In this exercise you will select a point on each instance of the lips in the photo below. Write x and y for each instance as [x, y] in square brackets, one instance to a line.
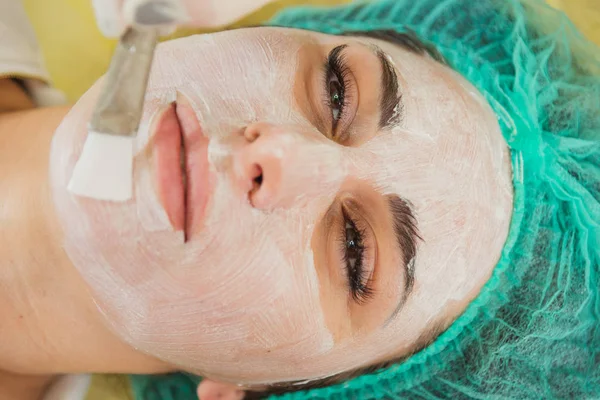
[181, 166]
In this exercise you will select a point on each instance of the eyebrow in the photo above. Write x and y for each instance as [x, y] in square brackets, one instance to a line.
[391, 105]
[407, 236]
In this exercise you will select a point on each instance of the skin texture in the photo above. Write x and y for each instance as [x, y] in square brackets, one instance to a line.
[256, 291]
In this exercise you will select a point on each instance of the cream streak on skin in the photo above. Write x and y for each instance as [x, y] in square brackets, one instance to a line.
[246, 300]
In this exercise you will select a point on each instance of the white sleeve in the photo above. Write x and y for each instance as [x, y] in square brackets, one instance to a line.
[20, 55]
[69, 387]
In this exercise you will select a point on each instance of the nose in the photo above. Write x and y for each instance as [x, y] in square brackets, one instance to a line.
[278, 166]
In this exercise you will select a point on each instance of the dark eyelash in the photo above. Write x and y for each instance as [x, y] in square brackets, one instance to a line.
[358, 281]
[337, 65]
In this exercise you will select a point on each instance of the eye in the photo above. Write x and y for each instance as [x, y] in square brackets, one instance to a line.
[336, 99]
[338, 91]
[354, 246]
[354, 257]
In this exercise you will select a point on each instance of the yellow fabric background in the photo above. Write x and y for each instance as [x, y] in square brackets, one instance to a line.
[76, 54]
[109, 387]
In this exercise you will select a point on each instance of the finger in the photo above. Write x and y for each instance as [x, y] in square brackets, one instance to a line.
[109, 17]
[154, 12]
[163, 15]
[211, 390]
[218, 13]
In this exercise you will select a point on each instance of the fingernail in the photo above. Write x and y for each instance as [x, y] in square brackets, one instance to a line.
[106, 17]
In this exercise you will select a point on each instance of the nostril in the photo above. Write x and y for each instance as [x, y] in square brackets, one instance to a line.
[257, 179]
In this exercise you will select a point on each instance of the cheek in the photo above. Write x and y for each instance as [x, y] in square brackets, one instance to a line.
[231, 78]
[244, 292]
[248, 295]
[450, 161]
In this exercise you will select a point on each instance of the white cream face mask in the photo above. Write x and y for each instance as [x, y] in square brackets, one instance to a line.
[244, 287]
[247, 297]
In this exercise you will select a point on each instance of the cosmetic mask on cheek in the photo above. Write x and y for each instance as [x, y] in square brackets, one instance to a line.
[240, 299]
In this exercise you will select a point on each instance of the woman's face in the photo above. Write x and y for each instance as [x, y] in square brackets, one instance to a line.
[337, 197]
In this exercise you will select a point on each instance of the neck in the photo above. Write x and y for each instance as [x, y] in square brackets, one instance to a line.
[50, 324]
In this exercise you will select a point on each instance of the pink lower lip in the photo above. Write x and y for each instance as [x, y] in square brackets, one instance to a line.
[185, 207]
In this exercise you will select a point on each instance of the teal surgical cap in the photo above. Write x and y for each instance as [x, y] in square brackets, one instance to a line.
[534, 330]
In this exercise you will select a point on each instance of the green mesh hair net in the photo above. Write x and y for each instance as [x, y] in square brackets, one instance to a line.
[534, 330]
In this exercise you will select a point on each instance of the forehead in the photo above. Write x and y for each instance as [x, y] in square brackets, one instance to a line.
[441, 116]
